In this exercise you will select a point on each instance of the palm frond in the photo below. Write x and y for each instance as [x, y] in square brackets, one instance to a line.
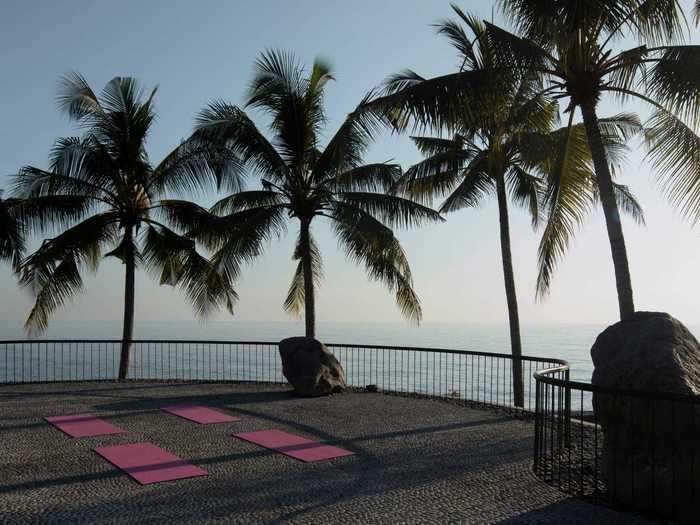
[295, 106]
[185, 216]
[476, 184]
[429, 146]
[524, 54]
[241, 237]
[223, 124]
[434, 103]
[392, 210]
[197, 165]
[568, 199]
[294, 302]
[76, 97]
[31, 182]
[370, 177]
[246, 200]
[673, 81]
[86, 160]
[526, 191]
[368, 242]
[459, 39]
[277, 74]
[623, 126]
[440, 172]
[12, 232]
[658, 21]
[49, 212]
[626, 202]
[63, 283]
[674, 151]
[345, 150]
[53, 271]
[176, 262]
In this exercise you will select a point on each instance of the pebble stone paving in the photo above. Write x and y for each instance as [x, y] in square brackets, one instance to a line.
[416, 460]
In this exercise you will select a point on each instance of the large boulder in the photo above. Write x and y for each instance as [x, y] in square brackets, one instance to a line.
[310, 367]
[651, 444]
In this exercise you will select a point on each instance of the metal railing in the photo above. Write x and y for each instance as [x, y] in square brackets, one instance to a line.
[477, 377]
[633, 449]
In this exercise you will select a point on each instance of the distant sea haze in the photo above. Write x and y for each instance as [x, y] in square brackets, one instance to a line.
[570, 342]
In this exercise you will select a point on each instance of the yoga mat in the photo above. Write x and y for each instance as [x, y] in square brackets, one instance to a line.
[199, 414]
[83, 425]
[295, 446]
[147, 463]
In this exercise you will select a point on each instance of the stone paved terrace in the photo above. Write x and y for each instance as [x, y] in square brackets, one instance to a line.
[416, 461]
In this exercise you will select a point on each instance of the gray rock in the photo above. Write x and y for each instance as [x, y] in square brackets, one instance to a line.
[651, 446]
[310, 367]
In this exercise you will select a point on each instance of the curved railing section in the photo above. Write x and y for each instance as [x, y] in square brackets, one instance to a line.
[635, 449]
[470, 376]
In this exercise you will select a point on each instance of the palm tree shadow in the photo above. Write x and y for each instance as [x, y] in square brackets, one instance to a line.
[214, 400]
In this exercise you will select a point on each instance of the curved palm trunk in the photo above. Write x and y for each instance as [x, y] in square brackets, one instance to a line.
[515, 345]
[612, 215]
[309, 302]
[129, 285]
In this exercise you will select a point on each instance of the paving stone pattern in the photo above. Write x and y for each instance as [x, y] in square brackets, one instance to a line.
[416, 460]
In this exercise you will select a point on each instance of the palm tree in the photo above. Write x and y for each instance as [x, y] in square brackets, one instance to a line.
[570, 44]
[503, 142]
[304, 181]
[110, 192]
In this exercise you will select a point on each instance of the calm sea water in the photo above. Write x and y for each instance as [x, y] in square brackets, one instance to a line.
[442, 373]
[570, 342]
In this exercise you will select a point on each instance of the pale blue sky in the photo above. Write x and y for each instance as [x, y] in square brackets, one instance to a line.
[199, 51]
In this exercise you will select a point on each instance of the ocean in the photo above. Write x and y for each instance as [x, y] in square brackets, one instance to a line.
[445, 374]
[570, 342]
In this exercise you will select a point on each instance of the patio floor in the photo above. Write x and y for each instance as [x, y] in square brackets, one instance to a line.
[416, 460]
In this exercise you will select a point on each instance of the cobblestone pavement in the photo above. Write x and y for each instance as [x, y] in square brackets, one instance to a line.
[416, 460]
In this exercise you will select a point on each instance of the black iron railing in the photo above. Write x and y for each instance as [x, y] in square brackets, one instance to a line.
[478, 377]
[629, 448]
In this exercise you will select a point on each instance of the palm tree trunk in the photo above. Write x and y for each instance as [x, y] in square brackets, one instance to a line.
[612, 215]
[512, 299]
[309, 302]
[129, 286]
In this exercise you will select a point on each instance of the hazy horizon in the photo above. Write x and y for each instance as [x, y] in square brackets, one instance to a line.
[204, 51]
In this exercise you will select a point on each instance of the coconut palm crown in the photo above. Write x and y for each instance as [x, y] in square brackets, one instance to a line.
[572, 45]
[106, 200]
[305, 181]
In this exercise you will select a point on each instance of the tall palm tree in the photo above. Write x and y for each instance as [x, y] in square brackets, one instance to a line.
[503, 143]
[570, 44]
[305, 181]
[113, 190]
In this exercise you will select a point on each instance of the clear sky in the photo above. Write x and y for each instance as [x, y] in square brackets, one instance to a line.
[199, 51]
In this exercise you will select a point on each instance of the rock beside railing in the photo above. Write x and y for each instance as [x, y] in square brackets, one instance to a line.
[310, 367]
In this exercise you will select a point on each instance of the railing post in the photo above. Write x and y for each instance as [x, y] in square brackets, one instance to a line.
[538, 430]
[567, 391]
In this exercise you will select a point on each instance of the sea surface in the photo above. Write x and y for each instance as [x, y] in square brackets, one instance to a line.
[570, 342]
[444, 374]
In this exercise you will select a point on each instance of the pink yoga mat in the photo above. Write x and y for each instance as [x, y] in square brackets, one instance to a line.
[295, 446]
[147, 463]
[199, 414]
[83, 425]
